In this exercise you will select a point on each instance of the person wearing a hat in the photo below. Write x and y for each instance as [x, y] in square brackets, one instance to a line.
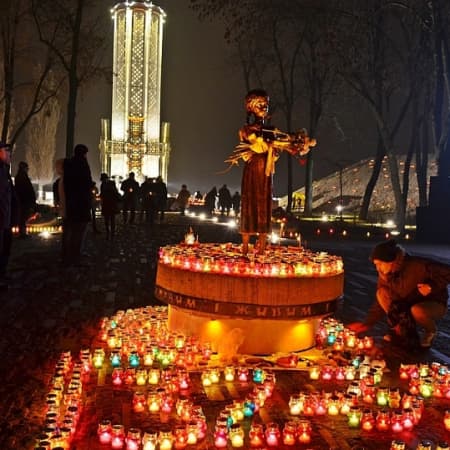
[411, 292]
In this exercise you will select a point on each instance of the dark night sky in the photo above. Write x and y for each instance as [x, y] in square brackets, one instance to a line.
[202, 98]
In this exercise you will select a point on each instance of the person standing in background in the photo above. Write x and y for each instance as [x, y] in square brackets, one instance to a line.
[7, 197]
[183, 199]
[109, 197]
[26, 197]
[130, 189]
[77, 183]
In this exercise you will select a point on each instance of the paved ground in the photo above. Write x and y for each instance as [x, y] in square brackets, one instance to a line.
[49, 309]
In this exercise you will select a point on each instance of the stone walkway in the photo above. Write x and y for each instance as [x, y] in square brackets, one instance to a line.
[49, 309]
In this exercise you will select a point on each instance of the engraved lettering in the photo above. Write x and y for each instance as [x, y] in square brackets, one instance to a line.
[242, 310]
[261, 311]
[190, 303]
[305, 311]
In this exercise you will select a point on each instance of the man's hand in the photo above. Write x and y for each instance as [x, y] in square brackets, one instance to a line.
[357, 327]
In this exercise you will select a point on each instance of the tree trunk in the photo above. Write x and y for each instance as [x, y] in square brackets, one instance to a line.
[364, 211]
[73, 80]
[308, 185]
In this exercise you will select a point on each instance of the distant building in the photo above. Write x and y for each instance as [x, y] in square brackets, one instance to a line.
[135, 139]
[347, 188]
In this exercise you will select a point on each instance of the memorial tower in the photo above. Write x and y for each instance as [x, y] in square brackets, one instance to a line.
[135, 139]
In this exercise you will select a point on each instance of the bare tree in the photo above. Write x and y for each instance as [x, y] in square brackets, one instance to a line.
[74, 31]
[282, 44]
[23, 91]
[41, 142]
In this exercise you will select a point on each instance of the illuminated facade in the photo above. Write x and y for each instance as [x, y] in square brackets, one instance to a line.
[135, 139]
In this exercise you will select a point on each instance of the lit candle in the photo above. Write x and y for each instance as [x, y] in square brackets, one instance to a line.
[397, 422]
[191, 429]
[295, 404]
[397, 445]
[256, 435]
[117, 436]
[165, 440]
[383, 421]
[426, 387]
[153, 402]
[134, 360]
[141, 377]
[289, 433]
[228, 373]
[333, 406]
[447, 420]
[220, 436]
[138, 402]
[272, 434]
[115, 359]
[249, 406]
[104, 432]
[133, 439]
[258, 375]
[242, 374]
[408, 419]
[236, 435]
[367, 420]
[153, 376]
[314, 372]
[354, 417]
[382, 396]
[117, 376]
[149, 440]
[98, 358]
[304, 431]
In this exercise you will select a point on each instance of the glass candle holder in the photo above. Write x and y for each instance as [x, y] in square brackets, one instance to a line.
[383, 421]
[153, 376]
[134, 360]
[153, 401]
[215, 375]
[139, 402]
[258, 375]
[242, 374]
[425, 445]
[141, 377]
[426, 387]
[289, 433]
[115, 358]
[382, 396]
[237, 411]
[314, 372]
[397, 422]
[236, 435]
[394, 399]
[296, 404]
[367, 420]
[272, 434]
[354, 417]
[408, 419]
[442, 446]
[256, 435]
[304, 431]
[229, 373]
[221, 436]
[117, 436]
[191, 429]
[397, 445]
[149, 440]
[249, 406]
[117, 376]
[165, 440]
[447, 419]
[333, 406]
[133, 440]
[206, 378]
[104, 432]
[98, 358]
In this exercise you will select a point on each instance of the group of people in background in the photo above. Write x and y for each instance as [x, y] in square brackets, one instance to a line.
[222, 200]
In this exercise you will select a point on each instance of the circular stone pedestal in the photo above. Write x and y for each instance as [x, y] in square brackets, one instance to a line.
[260, 306]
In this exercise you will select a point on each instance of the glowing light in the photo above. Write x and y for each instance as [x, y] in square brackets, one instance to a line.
[232, 224]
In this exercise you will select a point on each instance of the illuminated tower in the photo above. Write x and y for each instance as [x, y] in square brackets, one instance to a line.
[135, 139]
